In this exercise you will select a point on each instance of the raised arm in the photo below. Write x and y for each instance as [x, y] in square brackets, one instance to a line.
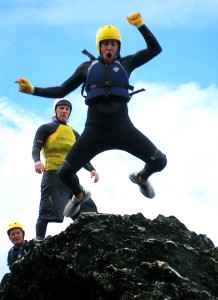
[151, 50]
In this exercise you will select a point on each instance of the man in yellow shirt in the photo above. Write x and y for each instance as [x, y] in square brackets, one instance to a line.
[54, 140]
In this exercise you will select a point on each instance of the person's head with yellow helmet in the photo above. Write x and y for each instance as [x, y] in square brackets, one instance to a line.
[16, 233]
[108, 42]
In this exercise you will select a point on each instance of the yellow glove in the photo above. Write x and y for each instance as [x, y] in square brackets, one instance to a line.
[135, 19]
[25, 86]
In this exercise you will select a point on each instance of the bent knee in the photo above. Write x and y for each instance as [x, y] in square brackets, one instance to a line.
[160, 160]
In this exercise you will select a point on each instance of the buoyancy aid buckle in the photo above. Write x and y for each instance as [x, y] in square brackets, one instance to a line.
[108, 83]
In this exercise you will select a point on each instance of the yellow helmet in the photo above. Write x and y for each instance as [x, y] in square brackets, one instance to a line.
[107, 32]
[15, 225]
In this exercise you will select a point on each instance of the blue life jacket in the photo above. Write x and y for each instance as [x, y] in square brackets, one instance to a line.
[107, 80]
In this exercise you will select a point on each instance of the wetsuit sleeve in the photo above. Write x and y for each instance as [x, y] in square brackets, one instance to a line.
[41, 135]
[88, 166]
[72, 83]
[152, 43]
[141, 57]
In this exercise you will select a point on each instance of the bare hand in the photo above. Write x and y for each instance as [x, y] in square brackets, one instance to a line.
[95, 175]
[39, 167]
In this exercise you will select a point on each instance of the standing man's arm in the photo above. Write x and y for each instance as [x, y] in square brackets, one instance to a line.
[38, 143]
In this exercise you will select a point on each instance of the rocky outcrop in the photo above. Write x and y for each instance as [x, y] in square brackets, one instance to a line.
[110, 257]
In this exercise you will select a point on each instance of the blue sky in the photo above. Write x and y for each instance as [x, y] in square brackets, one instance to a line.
[43, 40]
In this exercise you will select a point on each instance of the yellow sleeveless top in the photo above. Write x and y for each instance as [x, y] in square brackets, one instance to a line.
[57, 146]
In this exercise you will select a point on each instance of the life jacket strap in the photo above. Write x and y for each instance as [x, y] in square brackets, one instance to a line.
[109, 83]
[88, 54]
[136, 92]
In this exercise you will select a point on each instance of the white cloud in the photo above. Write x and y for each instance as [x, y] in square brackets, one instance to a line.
[181, 120]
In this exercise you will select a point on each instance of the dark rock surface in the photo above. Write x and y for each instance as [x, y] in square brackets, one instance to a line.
[110, 257]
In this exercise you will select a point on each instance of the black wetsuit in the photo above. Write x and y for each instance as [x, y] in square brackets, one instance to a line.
[108, 125]
[17, 253]
[14, 254]
[55, 139]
